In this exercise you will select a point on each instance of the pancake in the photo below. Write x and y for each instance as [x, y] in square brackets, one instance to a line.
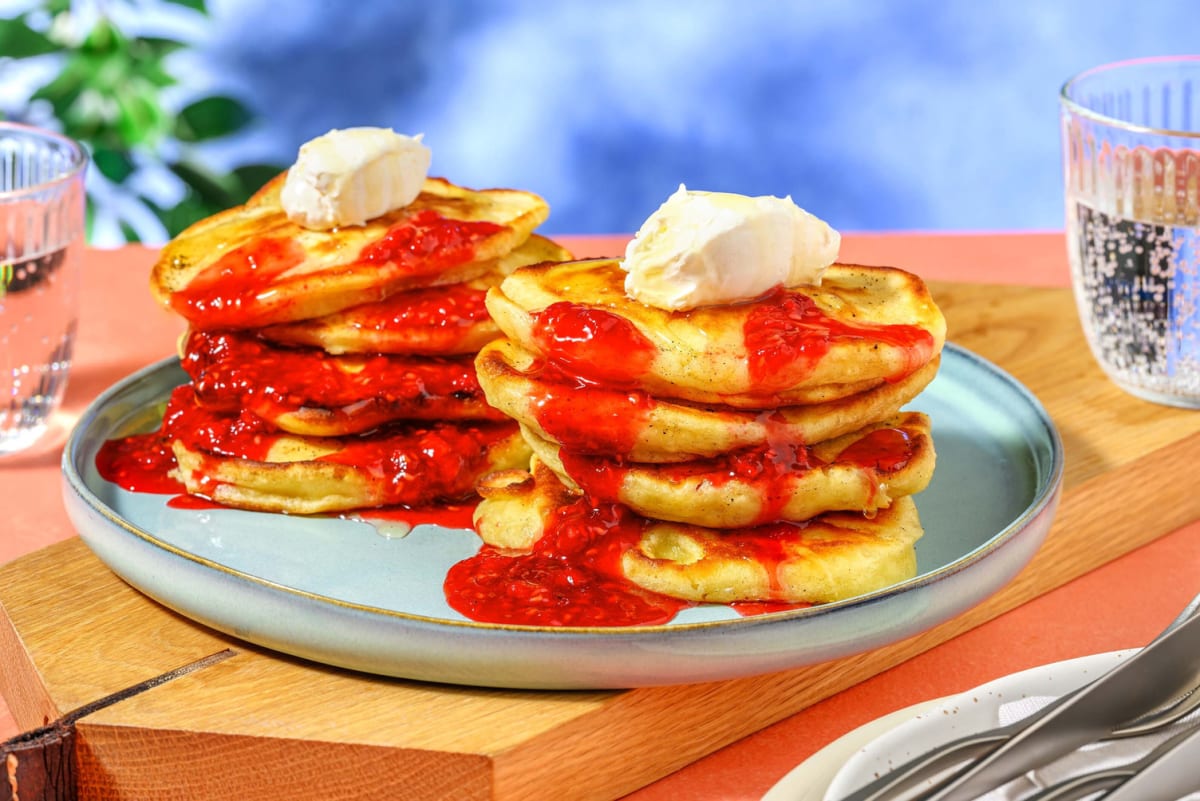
[250, 266]
[309, 392]
[862, 327]
[591, 419]
[437, 321]
[239, 461]
[517, 504]
[827, 558]
[863, 472]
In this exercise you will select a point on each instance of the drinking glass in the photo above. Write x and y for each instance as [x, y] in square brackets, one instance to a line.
[1131, 158]
[41, 235]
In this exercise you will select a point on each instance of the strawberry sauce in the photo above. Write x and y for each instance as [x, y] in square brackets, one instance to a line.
[241, 288]
[413, 463]
[787, 335]
[771, 469]
[234, 370]
[885, 450]
[585, 418]
[139, 463]
[593, 343]
[571, 577]
[438, 319]
[226, 293]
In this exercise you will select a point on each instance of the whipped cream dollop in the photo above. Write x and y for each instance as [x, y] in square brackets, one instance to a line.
[707, 248]
[349, 176]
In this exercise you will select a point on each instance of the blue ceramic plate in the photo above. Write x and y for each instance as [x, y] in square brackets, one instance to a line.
[338, 592]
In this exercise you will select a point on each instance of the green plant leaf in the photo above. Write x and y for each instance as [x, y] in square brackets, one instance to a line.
[105, 37]
[156, 46]
[211, 118]
[197, 5]
[129, 232]
[145, 59]
[252, 177]
[209, 187]
[89, 219]
[114, 165]
[187, 211]
[18, 40]
[138, 117]
[64, 90]
[108, 94]
[152, 72]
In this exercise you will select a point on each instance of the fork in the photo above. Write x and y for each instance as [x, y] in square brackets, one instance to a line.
[1085, 784]
[950, 759]
[1151, 722]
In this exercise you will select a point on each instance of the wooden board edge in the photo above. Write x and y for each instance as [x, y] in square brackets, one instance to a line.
[27, 696]
[148, 764]
[723, 712]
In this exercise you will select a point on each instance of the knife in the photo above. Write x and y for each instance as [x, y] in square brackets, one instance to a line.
[1157, 673]
[1169, 777]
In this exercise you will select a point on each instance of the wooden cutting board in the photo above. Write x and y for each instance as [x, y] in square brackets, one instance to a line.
[244, 722]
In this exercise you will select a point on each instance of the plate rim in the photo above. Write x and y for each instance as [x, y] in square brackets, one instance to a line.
[1046, 495]
[405, 644]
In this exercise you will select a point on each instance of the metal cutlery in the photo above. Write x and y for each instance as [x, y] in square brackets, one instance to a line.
[1151, 679]
[1166, 773]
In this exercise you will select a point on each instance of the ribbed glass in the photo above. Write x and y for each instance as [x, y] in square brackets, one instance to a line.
[41, 236]
[1131, 159]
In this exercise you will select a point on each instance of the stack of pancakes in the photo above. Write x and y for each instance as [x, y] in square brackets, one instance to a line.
[758, 448]
[333, 370]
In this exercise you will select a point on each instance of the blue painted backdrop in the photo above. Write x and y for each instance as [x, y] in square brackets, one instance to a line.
[912, 114]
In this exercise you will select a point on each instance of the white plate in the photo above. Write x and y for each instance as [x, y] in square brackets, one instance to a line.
[335, 591]
[809, 780]
[876, 747]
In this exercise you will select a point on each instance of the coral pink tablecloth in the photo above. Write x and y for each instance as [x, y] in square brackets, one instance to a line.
[122, 330]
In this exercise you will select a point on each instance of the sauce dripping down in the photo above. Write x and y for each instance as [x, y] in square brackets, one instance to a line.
[447, 307]
[232, 371]
[571, 576]
[787, 335]
[413, 464]
[139, 463]
[769, 468]
[240, 289]
[593, 343]
[584, 418]
[392, 522]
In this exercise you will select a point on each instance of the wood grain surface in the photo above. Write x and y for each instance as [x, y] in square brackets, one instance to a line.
[265, 726]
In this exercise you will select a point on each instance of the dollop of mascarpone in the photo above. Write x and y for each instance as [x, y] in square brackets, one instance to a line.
[708, 248]
[349, 176]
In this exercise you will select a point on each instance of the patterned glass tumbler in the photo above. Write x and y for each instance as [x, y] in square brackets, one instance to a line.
[1131, 159]
[41, 236]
